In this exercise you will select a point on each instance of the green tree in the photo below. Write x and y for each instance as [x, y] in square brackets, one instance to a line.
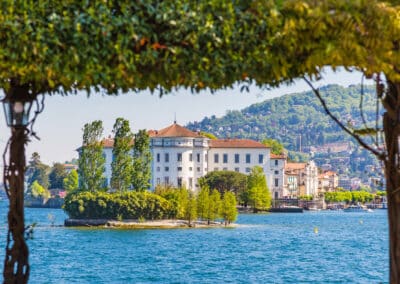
[57, 176]
[226, 181]
[141, 172]
[214, 206]
[203, 202]
[38, 191]
[276, 147]
[259, 195]
[191, 208]
[38, 171]
[71, 182]
[228, 208]
[91, 164]
[121, 165]
[182, 202]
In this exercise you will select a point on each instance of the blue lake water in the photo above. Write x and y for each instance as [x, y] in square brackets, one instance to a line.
[271, 248]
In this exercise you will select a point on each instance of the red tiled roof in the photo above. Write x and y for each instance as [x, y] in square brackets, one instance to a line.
[330, 173]
[175, 130]
[274, 156]
[108, 142]
[295, 166]
[236, 143]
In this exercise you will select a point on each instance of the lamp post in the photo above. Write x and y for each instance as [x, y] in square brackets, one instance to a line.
[17, 105]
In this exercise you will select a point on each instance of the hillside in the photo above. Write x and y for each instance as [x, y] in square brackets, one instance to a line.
[299, 122]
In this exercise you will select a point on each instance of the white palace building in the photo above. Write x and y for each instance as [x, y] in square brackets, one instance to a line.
[181, 157]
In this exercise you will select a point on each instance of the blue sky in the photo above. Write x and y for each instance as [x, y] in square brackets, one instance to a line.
[60, 125]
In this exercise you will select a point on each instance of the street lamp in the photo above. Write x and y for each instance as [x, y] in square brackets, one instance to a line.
[17, 105]
[17, 110]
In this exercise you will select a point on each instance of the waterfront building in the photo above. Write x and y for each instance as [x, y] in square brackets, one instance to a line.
[301, 179]
[345, 182]
[328, 181]
[277, 188]
[181, 156]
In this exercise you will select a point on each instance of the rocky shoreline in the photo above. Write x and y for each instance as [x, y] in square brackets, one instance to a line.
[136, 224]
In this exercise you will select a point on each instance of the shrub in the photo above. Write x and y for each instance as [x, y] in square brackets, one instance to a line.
[126, 205]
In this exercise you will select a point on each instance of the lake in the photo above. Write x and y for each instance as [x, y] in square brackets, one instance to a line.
[316, 247]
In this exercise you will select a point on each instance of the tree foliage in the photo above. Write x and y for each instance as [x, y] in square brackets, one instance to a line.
[225, 181]
[214, 206]
[125, 205]
[71, 181]
[348, 196]
[57, 176]
[228, 208]
[121, 166]
[203, 202]
[141, 172]
[259, 195]
[276, 147]
[37, 171]
[91, 164]
[38, 191]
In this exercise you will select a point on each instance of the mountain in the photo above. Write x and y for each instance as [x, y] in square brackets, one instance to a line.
[299, 122]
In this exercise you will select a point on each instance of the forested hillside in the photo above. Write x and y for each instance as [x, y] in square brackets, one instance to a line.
[288, 117]
[299, 122]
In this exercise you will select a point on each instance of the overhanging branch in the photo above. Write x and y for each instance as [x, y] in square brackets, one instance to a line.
[377, 153]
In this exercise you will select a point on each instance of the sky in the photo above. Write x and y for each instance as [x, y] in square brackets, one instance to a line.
[60, 125]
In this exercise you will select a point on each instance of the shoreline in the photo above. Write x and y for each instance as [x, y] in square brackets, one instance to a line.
[151, 224]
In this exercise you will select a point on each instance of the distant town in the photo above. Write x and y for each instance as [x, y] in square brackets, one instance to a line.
[180, 157]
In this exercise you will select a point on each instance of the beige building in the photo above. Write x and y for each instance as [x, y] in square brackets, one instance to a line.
[301, 179]
[328, 181]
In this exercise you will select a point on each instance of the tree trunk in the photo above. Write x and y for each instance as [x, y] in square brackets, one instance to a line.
[391, 126]
[16, 266]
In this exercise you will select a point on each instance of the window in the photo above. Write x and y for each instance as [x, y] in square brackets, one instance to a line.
[166, 180]
[190, 169]
[248, 170]
[236, 169]
[198, 157]
[276, 195]
[158, 169]
[225, 158]
[225, 169]
[190, 157]
[179, 181]
[158, 181]
[166, 157]
[198, 169]
[277, 172]
[215, 169]
[158, 157]
[166, 169]
[276, 162]
[236, 158]
[190, 182]
[205, 157]
[179, 169]
[248, 159]
[179, 157]
[260, 158]
[277, 182]
[216, 158]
